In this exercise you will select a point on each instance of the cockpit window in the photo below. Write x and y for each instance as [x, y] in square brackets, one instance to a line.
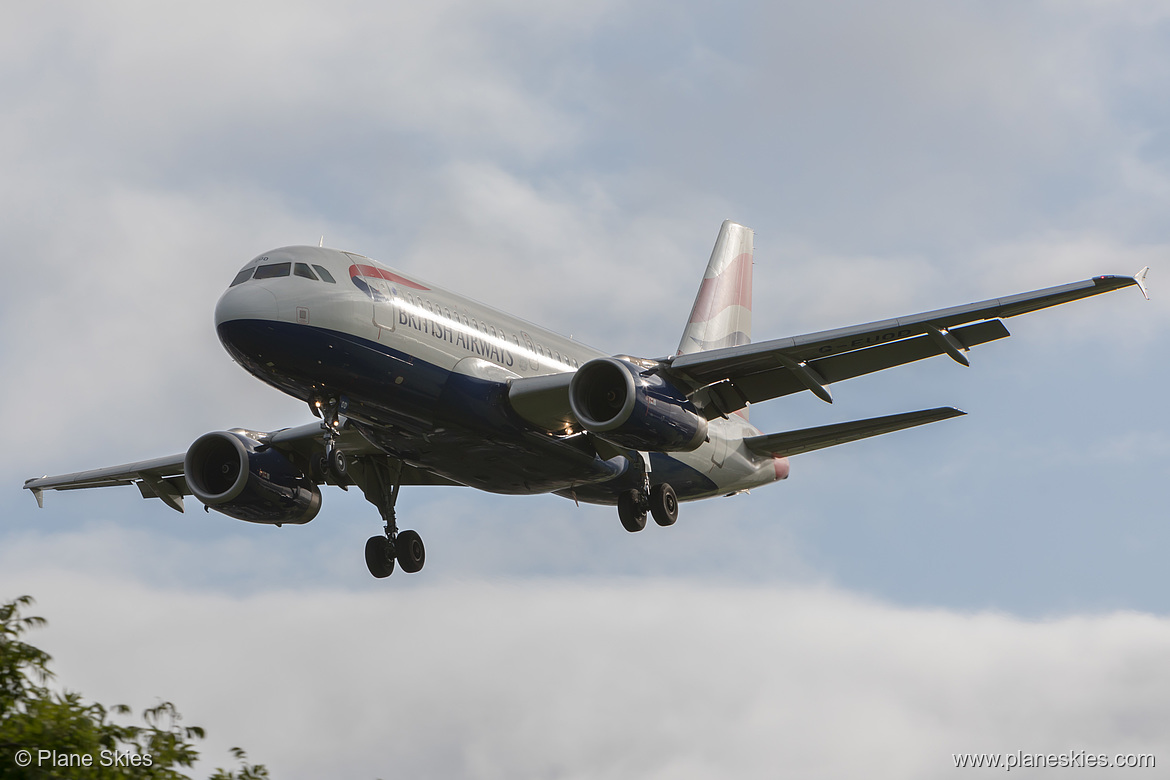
[272, 271]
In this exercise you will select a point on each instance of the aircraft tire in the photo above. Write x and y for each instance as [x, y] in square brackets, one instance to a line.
[630, 511]
[379, 556]
[318, 468]
[663, 504]
[340, 465]
[410, 551]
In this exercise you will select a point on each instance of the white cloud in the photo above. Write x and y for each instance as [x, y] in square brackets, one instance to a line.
[605, 679]
[802, 288]
[156, 85]
[108, 319]
[918, 125]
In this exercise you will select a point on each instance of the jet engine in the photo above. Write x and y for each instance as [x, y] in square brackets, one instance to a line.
[613, 399]
[243, 478]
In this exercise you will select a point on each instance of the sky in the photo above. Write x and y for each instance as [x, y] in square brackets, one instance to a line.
[992, 583]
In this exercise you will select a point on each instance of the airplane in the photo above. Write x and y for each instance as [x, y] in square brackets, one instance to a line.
[416, 385]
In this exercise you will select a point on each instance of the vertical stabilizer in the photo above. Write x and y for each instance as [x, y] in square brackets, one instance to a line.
[722, 314]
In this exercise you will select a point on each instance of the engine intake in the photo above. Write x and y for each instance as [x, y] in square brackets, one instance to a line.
[614, 400]
[246, 479]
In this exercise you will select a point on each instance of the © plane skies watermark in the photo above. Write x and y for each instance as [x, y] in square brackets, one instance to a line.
[41, 758]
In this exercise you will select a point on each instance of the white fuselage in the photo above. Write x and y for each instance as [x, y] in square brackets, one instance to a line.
[306, 335]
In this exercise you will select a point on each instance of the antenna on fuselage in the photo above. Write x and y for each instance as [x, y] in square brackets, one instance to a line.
[322, 244]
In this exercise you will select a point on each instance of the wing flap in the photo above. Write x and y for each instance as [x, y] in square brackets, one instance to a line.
[777, 380]
[170, 490]
[809, 439]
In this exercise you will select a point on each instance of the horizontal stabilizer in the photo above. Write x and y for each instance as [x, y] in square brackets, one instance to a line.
[809, 439]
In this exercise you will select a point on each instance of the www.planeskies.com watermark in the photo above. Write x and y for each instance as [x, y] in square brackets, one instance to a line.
[1072, 759]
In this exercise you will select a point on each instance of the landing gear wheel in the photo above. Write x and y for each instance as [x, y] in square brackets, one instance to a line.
[632, 511]
[319, 468]
[410, 550]
[339, 465]
[663, 504]
[379, 556]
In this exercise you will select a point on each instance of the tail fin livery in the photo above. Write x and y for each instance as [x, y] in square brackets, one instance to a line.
[722, 314]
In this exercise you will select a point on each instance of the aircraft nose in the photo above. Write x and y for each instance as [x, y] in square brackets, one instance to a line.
[246, 302]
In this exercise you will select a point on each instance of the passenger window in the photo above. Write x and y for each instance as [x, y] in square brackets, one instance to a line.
[242, 277]
[273, 271]
[325, 275]
[302, 269]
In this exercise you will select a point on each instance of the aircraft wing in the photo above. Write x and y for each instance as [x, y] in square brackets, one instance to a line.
[158, 478]
[722, 381]
[163, 477]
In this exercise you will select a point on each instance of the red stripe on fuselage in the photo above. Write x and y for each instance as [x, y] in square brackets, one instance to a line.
[369, 270]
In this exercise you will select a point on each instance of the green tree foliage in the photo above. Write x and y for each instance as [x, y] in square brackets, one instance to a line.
[34, 717]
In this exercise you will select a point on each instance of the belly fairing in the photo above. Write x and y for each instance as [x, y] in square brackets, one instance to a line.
[455, 425]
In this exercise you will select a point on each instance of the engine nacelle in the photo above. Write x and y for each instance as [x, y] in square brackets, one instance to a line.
[248, 480]
[614, 400]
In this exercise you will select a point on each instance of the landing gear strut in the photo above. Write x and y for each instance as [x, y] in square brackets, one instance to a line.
[383, 479]
[333, 463]
[661, 502]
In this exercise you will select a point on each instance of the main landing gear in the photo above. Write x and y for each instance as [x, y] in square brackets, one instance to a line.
[380, 479]
[404, 546]
[383, 479]
[661, 502]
